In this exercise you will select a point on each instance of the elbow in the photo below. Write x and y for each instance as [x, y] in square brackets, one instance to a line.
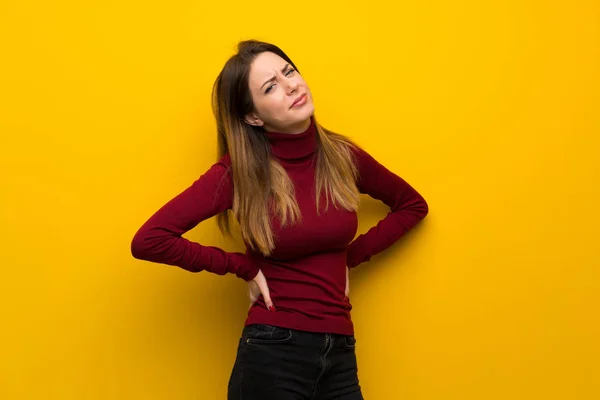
[138, 246]
[422, 207]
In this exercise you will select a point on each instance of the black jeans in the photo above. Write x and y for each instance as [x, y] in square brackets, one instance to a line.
[275, 363]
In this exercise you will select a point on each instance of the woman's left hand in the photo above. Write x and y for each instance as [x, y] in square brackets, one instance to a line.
[257, 287]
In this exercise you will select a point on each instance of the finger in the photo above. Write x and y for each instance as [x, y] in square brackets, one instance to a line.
[347, 281]
[264, 289]
[252, 291]
[250, 298]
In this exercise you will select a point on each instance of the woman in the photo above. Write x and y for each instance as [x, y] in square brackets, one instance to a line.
[294, 187]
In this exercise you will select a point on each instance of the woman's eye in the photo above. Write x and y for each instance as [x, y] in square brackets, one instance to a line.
[286, 74]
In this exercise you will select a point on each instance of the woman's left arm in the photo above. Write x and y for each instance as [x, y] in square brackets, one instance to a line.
[407, 208]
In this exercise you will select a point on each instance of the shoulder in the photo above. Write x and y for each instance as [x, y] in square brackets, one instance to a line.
[360, 156]
[218, 175]
[225, 160]
[369, 169]
[221, 170]
[221, 167]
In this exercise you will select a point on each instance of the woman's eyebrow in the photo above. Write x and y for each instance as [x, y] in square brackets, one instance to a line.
[273, 78]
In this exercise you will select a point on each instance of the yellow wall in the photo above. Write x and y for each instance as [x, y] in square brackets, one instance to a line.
[491, 111]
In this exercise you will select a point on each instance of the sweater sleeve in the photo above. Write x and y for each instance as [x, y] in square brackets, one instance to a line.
[407, 208]
[160, 237]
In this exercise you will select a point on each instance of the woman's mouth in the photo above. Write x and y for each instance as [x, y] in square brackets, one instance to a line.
[299, 101]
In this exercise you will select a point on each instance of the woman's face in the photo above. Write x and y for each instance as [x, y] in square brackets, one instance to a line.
[274, 86]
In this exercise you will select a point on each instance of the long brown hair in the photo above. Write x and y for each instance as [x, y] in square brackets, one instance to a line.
[260, 182]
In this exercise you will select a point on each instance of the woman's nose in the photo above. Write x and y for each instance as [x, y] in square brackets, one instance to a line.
[291, 85]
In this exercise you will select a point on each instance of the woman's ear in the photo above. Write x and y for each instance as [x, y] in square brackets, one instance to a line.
[252, 119]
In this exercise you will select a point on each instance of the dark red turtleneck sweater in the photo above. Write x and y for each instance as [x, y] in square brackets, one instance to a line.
[306, 273]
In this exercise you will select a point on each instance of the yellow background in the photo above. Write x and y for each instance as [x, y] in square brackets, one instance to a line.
[490, 111]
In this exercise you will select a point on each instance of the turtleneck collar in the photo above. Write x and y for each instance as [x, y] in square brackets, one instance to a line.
[292, 146]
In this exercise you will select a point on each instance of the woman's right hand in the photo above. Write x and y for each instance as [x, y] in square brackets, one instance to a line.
[258, 286]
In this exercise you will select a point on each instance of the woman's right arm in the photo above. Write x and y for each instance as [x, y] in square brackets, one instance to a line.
[160, 238]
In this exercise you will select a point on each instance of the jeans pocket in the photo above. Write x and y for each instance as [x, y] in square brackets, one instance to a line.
[266, 334]
[350, 342]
